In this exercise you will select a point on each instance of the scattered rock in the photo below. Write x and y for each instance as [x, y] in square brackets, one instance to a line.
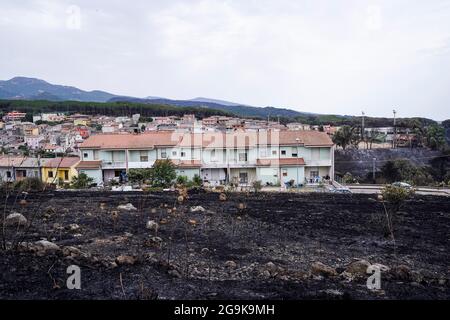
[46, 246]
[333, 293]
[192, 222]
[230, 264]
[127, 207]
[73, 227]
[223, 197]
[401, 272]
[71, 251]
[320, 269]
[358, 268]
[57, 226]
[152, 225]
[125, 260]
[23, 202]
[15, 219]
[174, 273]
[271, 267]
[382, 267]
[180, 199]
[197, 209]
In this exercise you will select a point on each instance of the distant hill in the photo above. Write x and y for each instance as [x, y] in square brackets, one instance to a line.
[240, 110]
[22, 88]
[222, 102]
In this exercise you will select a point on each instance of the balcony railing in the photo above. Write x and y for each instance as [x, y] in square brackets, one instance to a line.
[113, 164]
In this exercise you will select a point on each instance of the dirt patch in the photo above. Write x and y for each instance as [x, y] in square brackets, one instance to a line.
[263, 250]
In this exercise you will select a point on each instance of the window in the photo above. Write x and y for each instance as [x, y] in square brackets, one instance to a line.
[117, 173]
[313, 173]
[263, 153]
[183, 154]
[163, 154]
[50, 174]
[284, 173]
[283, 152]
[274, 152]
[143, 156]
[243, 177]
[66, 174]
[294, 155]
[243, 156]
[85, 155]
[174, 153]
[8, 174]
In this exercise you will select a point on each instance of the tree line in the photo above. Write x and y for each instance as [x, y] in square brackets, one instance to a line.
[113, 109]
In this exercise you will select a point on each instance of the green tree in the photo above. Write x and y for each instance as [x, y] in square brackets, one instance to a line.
[183, 180]
[139, 175]
[403, 170]
[197, 181]
[163, 173]
[82, 181]
[435, 137]
[345, 136]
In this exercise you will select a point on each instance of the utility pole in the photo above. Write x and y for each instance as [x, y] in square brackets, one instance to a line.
[373, 169]
[362, 126]
[298, 147]
[395, 130]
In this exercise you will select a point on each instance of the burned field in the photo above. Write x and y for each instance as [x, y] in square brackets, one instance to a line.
[250, 246]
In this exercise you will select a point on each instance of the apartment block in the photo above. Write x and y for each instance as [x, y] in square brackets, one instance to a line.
[271, 156]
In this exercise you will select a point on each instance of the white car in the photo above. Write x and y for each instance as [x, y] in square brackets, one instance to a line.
[402, 185]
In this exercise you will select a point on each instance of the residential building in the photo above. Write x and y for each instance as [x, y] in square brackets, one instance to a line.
[33, 142]
[272, 156]
[14, 116]
[18, 168]
[60, 170]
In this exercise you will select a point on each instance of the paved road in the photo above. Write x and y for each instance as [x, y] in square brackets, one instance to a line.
[375, 189]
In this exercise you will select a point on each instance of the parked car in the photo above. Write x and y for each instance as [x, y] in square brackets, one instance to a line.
[402, 185]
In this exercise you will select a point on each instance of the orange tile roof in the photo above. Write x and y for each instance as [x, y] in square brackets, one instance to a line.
[236, 139]
[131, 141]
[61, 162]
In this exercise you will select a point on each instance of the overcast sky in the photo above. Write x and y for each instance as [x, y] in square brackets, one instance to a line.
[310, 55]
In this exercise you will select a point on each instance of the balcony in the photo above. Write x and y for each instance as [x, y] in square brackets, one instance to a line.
[113, 164]
[318, 163]
[140, 164]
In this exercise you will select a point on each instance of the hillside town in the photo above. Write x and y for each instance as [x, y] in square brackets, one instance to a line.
[56, 147]
[220, 150]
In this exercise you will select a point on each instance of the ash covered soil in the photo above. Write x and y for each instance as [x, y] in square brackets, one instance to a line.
[251, 246]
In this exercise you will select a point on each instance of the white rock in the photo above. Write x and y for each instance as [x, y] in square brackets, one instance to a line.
[74, 227]
[127, 207]
[15, 219]
[198, 209]
[230, 264]
[152, 225]
[46, 245]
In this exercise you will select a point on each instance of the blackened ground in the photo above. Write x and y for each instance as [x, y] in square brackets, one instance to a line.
[251, 246]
